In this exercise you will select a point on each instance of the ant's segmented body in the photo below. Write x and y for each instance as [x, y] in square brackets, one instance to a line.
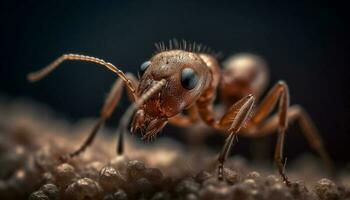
[184, 76]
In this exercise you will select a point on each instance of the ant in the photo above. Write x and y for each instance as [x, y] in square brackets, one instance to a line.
[184, 76]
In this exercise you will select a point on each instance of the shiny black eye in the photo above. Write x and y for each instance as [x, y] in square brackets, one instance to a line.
[143, 68]
[189, 78]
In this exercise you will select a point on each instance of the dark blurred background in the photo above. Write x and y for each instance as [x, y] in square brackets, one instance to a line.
[305, 43]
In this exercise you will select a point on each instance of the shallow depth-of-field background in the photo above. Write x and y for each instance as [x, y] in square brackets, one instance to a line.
[304, 43]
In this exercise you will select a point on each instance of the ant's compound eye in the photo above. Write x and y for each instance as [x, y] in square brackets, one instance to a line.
[143, 68]
[189, 78]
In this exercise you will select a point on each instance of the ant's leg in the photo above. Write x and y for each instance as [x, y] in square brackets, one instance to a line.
[279, 93]
[237, 115]
[109, 106]
[107, 110]
[234, 118]
[310, 131]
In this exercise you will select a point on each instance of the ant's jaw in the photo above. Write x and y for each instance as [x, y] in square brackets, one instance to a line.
[154, 127]
[148, 126]
[138, 121]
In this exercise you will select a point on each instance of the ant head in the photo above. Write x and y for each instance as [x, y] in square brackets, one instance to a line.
[186, 76]
[243, 74]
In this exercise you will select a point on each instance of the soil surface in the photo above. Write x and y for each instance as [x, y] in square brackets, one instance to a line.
[32, 142]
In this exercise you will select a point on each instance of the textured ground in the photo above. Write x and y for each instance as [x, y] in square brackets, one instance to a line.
[32, 140]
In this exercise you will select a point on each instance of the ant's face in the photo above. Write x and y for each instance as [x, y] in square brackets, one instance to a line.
[186, 76]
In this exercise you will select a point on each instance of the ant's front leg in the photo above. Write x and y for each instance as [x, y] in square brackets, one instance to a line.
[241, 111]
[234, 118]
[278, 94]
[109, 106]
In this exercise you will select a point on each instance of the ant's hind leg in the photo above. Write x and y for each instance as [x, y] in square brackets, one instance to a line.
[238, 115]
[109, 106]
[310, 131]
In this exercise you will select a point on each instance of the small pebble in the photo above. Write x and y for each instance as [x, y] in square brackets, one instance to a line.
[271, 179]
[64, 174]
[326, 190]
[38, 195]
[299, 191]
[120, 195]
[135, 169]
[84, 189]
[251, 183]
[110, 179]
[230, 176]
[253, 175]
[119, 163]
[51, 191]
[278, 191]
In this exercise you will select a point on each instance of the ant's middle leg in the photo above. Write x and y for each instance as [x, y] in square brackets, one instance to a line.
[109, 106]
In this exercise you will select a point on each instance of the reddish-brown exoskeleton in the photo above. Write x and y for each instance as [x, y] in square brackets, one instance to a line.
[184, 76]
